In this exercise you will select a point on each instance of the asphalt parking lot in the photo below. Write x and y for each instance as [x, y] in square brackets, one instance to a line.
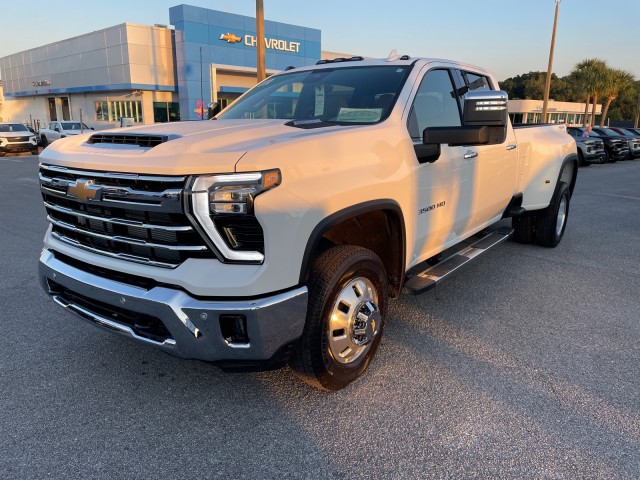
[526, 364]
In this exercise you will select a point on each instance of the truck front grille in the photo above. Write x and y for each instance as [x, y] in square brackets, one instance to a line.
[126, 216]
[18, 139]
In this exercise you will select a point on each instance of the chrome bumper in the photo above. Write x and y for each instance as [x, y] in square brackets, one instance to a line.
[193, 325]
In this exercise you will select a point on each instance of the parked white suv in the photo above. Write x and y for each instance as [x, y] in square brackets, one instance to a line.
[56, 130]
[16, 138]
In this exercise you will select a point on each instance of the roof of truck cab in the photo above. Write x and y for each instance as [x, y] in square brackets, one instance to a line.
[369, 62]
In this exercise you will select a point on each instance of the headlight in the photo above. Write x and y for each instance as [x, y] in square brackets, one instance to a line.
[222, 207]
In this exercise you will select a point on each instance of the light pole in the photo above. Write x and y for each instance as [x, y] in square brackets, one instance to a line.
[262, 73]
[547, 83]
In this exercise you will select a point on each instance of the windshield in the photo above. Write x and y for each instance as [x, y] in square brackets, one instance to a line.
[13, 127]
[608, 132]
[351, 95]
[72, 126]
[626, 133]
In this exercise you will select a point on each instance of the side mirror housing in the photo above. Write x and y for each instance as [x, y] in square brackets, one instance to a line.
[484, 122]
[486, 107]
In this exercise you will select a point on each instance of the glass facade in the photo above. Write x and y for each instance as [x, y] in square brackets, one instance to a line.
[114, 111]
[166, 112]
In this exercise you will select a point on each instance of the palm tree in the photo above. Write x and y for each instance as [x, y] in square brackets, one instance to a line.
[589, 75]
[615, 82]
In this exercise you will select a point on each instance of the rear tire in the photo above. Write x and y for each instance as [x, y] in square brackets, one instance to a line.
[551, 223]
[348, 291]
[45, 142]
[35, 151]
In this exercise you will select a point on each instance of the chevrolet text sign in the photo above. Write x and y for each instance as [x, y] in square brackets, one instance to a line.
[272, 43]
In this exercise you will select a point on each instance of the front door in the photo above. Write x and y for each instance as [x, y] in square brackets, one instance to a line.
[466, 187]
[496, 166]
[445, 188]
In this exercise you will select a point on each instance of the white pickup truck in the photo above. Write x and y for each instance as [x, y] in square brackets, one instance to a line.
[57, 130]
[279, 231]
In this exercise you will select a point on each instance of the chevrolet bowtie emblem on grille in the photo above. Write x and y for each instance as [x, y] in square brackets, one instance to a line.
[230, 38]
[84, 190]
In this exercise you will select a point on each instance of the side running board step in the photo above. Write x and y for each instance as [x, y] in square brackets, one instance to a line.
[429, 278]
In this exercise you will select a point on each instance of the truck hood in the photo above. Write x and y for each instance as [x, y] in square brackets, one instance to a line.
[198, 147]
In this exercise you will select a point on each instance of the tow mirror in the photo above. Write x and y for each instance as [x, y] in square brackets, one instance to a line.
[484, 122]
[485, 108]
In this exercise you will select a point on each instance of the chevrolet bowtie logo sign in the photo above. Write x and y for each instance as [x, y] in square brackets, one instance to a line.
[269, 43]
[230, 38]
[84, 190]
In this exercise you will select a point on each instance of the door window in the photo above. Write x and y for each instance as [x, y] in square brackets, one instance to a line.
[476, 82]
[435, 105]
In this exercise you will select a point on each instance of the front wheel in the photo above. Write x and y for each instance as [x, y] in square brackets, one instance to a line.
[552, 222]
[582, 162]
[45, 142]
[609, 158]
[348, 292]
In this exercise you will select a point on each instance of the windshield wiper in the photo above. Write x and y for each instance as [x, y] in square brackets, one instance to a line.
[311, 123]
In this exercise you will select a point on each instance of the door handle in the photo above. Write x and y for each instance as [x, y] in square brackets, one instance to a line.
[470, 154]
[511, 147]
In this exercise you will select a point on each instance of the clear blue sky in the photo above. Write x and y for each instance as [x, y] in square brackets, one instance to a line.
[509, 37]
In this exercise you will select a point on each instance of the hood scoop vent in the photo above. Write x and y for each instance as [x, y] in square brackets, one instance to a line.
[147, 141]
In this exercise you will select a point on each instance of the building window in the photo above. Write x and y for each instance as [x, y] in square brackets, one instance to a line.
[102, 111]
[166, 112]
[113, 111]
[517, 118]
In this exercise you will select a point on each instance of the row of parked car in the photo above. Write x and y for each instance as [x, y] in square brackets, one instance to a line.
[16, 137]
[605, 145]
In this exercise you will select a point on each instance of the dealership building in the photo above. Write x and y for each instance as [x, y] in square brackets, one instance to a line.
[149, 74]
[530, 111]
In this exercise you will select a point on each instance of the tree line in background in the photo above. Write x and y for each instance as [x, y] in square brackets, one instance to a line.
[591, 81]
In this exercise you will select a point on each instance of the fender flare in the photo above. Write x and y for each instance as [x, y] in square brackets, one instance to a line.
[571, 158]
[340, 216]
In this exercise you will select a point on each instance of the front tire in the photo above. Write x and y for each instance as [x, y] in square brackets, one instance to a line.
[609, 158]
[348, 292]
[582, 161]
[44, 140]
[552, 221]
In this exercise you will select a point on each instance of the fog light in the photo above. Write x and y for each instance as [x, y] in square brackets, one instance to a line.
[234, 328]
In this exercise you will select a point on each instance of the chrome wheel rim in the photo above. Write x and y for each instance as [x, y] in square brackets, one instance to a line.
[354, 321]
[562, 216]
